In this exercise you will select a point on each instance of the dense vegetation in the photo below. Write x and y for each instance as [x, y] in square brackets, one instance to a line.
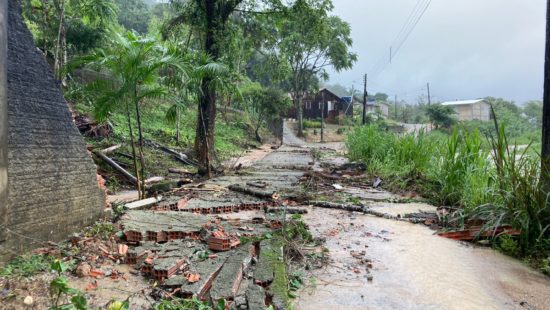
[147, 68]
[497, 185]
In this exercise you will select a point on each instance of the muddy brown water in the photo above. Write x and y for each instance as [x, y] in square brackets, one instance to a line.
[413, 269]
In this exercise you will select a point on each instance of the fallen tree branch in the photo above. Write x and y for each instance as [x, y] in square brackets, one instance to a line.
[116, 166]
[177, 155]
[333, 205]
[288, 210]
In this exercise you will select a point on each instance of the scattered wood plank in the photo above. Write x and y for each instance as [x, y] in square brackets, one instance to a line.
[154, 180]
[254, 192]
[178, 171]
[141, 204]
[116, 166]
[111, 149]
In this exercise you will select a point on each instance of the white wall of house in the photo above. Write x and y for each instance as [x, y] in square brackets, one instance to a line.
[384, 109]
[475, 110]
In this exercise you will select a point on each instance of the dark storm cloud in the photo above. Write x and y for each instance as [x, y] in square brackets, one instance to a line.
[466, 49]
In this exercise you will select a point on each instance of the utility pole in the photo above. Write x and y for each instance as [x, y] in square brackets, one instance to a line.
[429, 97]
[395, 109]
[365, 95]
[545, 149]
[322, 117]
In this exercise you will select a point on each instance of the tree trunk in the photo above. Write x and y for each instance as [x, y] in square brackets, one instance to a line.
[177, 125]
[60, 44]
[206, 116]
[133, 145]
[545, 152]
[141, 158]
[300, 112]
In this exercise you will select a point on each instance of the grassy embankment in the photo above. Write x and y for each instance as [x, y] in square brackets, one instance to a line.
[484, 179]
[233, 138]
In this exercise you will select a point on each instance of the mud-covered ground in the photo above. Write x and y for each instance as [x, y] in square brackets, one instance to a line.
[378, 258]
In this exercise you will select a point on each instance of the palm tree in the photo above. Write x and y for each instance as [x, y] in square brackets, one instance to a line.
[209, 19]
[188, 85]
[129, 72]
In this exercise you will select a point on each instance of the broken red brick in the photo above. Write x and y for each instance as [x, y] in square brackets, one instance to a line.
[96, 273]
[122, 249]
[91, 286]
[193, 277]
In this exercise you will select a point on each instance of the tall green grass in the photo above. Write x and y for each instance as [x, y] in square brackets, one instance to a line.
[497, 187]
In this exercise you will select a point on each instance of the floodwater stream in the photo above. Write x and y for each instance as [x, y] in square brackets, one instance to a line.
[413, 269]
[378, 263]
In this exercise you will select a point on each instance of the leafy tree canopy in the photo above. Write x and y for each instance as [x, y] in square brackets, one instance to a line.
[440, 116]
[134, 15]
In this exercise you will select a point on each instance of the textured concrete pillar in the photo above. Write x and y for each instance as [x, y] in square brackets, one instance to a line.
[3, 118]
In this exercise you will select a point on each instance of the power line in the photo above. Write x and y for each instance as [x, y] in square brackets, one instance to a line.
[408, 21]
[410, 24]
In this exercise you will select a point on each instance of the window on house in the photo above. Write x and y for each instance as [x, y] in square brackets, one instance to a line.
[319, 106]
[308, 105]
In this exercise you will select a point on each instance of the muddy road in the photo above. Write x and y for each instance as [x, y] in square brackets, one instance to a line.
[379, 263]
[376, 258]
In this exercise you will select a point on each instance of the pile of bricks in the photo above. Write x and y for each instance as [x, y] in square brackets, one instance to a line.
[181, 206]
[166, 267]
[220, 241]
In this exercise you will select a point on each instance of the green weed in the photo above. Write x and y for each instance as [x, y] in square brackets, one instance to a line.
[545, 268]
[508, 246]
[26, 266]
[102, 230]
[62, 296]
[188, 304]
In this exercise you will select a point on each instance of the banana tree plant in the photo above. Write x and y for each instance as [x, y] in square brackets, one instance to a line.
[187, 85]
[129, 71]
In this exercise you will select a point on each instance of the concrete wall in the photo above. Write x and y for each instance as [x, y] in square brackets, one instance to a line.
[3, 119]
[52, 188]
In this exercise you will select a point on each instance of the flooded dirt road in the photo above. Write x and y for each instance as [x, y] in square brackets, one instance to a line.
[413, 269]
[378, 263]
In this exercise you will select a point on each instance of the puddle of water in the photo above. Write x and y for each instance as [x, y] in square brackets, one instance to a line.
[413, 269]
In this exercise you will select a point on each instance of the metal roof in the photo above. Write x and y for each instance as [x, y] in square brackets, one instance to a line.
[461, 102]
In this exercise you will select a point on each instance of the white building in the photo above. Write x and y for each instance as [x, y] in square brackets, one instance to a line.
[468, 110]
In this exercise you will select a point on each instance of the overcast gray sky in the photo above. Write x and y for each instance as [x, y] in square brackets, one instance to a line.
[466, 49]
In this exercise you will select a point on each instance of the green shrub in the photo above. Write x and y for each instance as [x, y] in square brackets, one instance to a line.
[461, 170]
[405, 156]
[340, 130]
[498, 188]
[518, 198]
[311, 124]
[545, 268]
[508, 245]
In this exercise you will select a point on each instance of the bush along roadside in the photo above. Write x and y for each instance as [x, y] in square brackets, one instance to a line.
[495, 187]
